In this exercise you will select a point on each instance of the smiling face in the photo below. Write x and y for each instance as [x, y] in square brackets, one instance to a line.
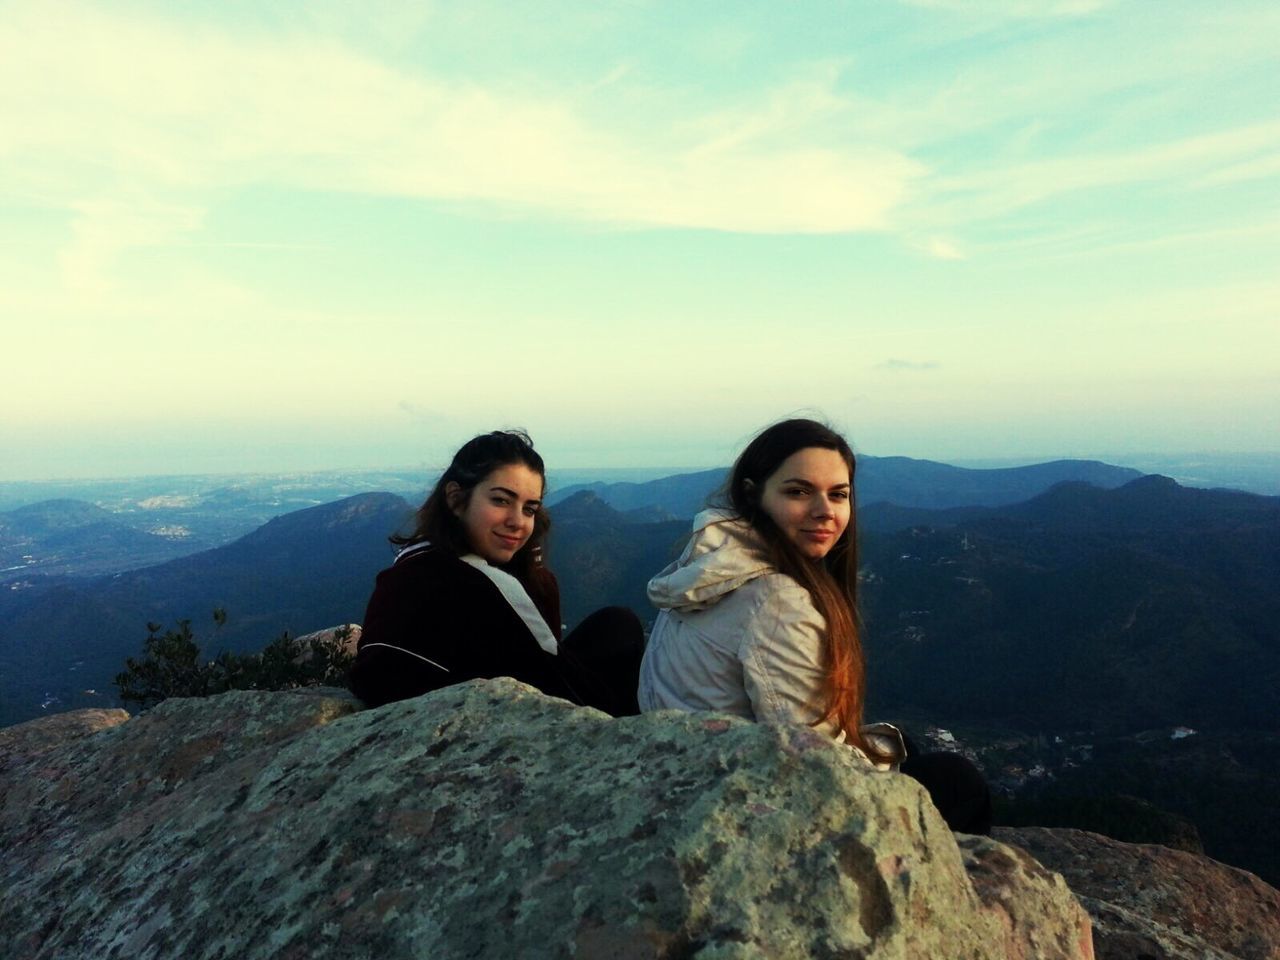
[808, 498]
[498, 516]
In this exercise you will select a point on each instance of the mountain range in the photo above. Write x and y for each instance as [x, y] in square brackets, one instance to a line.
[73, 537]
[1145, 605]
[1074, 560]
[1080, 621]
[63, 639]
[900, 480]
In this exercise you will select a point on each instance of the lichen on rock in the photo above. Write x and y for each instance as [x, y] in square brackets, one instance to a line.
[488, 820]
[1150, 901]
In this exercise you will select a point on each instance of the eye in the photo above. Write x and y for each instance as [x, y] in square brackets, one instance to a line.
[499, 501]
[795, 492]
[530, 510]
[840, 495]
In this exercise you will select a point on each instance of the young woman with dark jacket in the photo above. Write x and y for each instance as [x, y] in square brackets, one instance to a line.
[758, 615]
[468, 596]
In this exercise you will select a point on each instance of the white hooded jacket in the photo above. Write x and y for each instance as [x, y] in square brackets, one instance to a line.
[736, 636]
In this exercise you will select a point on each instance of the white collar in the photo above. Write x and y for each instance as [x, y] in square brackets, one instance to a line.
[517, 596]
[512, 591]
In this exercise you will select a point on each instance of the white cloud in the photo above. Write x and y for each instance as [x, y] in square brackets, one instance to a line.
[896, 364]
[943, 249]
[90, 101]
[101, 229]
[1259, 168]
[999, 190]
[1014, 9]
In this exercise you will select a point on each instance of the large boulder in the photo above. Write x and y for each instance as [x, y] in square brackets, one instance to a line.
[487, 820]
[1154, 903]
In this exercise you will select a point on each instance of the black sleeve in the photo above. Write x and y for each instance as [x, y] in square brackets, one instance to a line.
[405, 649]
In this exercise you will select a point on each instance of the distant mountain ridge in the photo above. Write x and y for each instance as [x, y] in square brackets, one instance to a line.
[1145, 505]
[903, 481]
[66, 536]
[301, 571]
[1110, 606]
[1150, 503]
[1081, 613]
[48, 515]
[314, 567]
[605, 557]
[681, 495]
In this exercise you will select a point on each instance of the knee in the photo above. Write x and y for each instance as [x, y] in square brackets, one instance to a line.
[957, 787]
[615, 629]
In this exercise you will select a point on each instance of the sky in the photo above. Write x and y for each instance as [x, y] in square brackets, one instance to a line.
[240, 236]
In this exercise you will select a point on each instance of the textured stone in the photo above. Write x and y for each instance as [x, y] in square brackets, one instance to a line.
[1151, 902]
[1028, 901]
[25, 740]
[487, 820]
[348, 633]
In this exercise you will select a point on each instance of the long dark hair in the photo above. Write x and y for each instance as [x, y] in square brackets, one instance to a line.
[832, 583]
[475, 460]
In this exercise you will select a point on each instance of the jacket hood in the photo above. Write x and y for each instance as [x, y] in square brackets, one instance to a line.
[723, 554]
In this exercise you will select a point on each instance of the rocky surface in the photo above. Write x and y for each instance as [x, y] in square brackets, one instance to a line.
[20, 743]
[1027, 900]
[1149, 902]
[346, 637]
[487, 820]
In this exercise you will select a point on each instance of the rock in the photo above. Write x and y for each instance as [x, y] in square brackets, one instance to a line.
[1028, 901]
[23, 741]
[347, 636]
[1119, 816]
[487, 820]
[1151, 902]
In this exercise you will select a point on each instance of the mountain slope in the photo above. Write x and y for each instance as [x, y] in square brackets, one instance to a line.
[602, 558]
[1146, 605]
[299, 572]
[73, 537]
[898, 480]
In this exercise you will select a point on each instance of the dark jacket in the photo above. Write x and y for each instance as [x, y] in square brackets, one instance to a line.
[436, 620]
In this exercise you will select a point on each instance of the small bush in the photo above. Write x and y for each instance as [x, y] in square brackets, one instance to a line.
[171, 666]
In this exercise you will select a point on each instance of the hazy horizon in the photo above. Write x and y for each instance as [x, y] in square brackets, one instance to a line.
[1255, 470]
[312, 235]
[170, 461]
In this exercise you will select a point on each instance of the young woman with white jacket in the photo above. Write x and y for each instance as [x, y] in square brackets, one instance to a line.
[757, 616]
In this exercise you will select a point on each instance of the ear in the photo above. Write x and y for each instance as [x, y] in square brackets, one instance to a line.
[751, 490]
[453, 497]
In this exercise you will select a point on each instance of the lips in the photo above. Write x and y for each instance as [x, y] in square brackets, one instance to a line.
[512, 543]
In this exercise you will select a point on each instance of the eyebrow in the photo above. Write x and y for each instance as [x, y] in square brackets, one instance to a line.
[513, 495]
[806, 483]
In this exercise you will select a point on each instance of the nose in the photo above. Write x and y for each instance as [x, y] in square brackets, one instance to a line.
[821, 507]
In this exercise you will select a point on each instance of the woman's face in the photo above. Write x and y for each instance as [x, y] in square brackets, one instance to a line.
[808, 497]
[498, 517]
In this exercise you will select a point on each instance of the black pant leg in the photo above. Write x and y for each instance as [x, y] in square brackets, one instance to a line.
[957, 788]
[608, 645]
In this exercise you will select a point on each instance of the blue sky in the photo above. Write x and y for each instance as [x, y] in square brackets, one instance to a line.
[244, 236]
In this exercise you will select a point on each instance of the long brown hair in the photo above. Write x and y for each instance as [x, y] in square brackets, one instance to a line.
[832, 583]
[475, 460]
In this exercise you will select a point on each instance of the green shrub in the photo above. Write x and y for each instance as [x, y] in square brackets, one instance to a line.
[171, 666]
